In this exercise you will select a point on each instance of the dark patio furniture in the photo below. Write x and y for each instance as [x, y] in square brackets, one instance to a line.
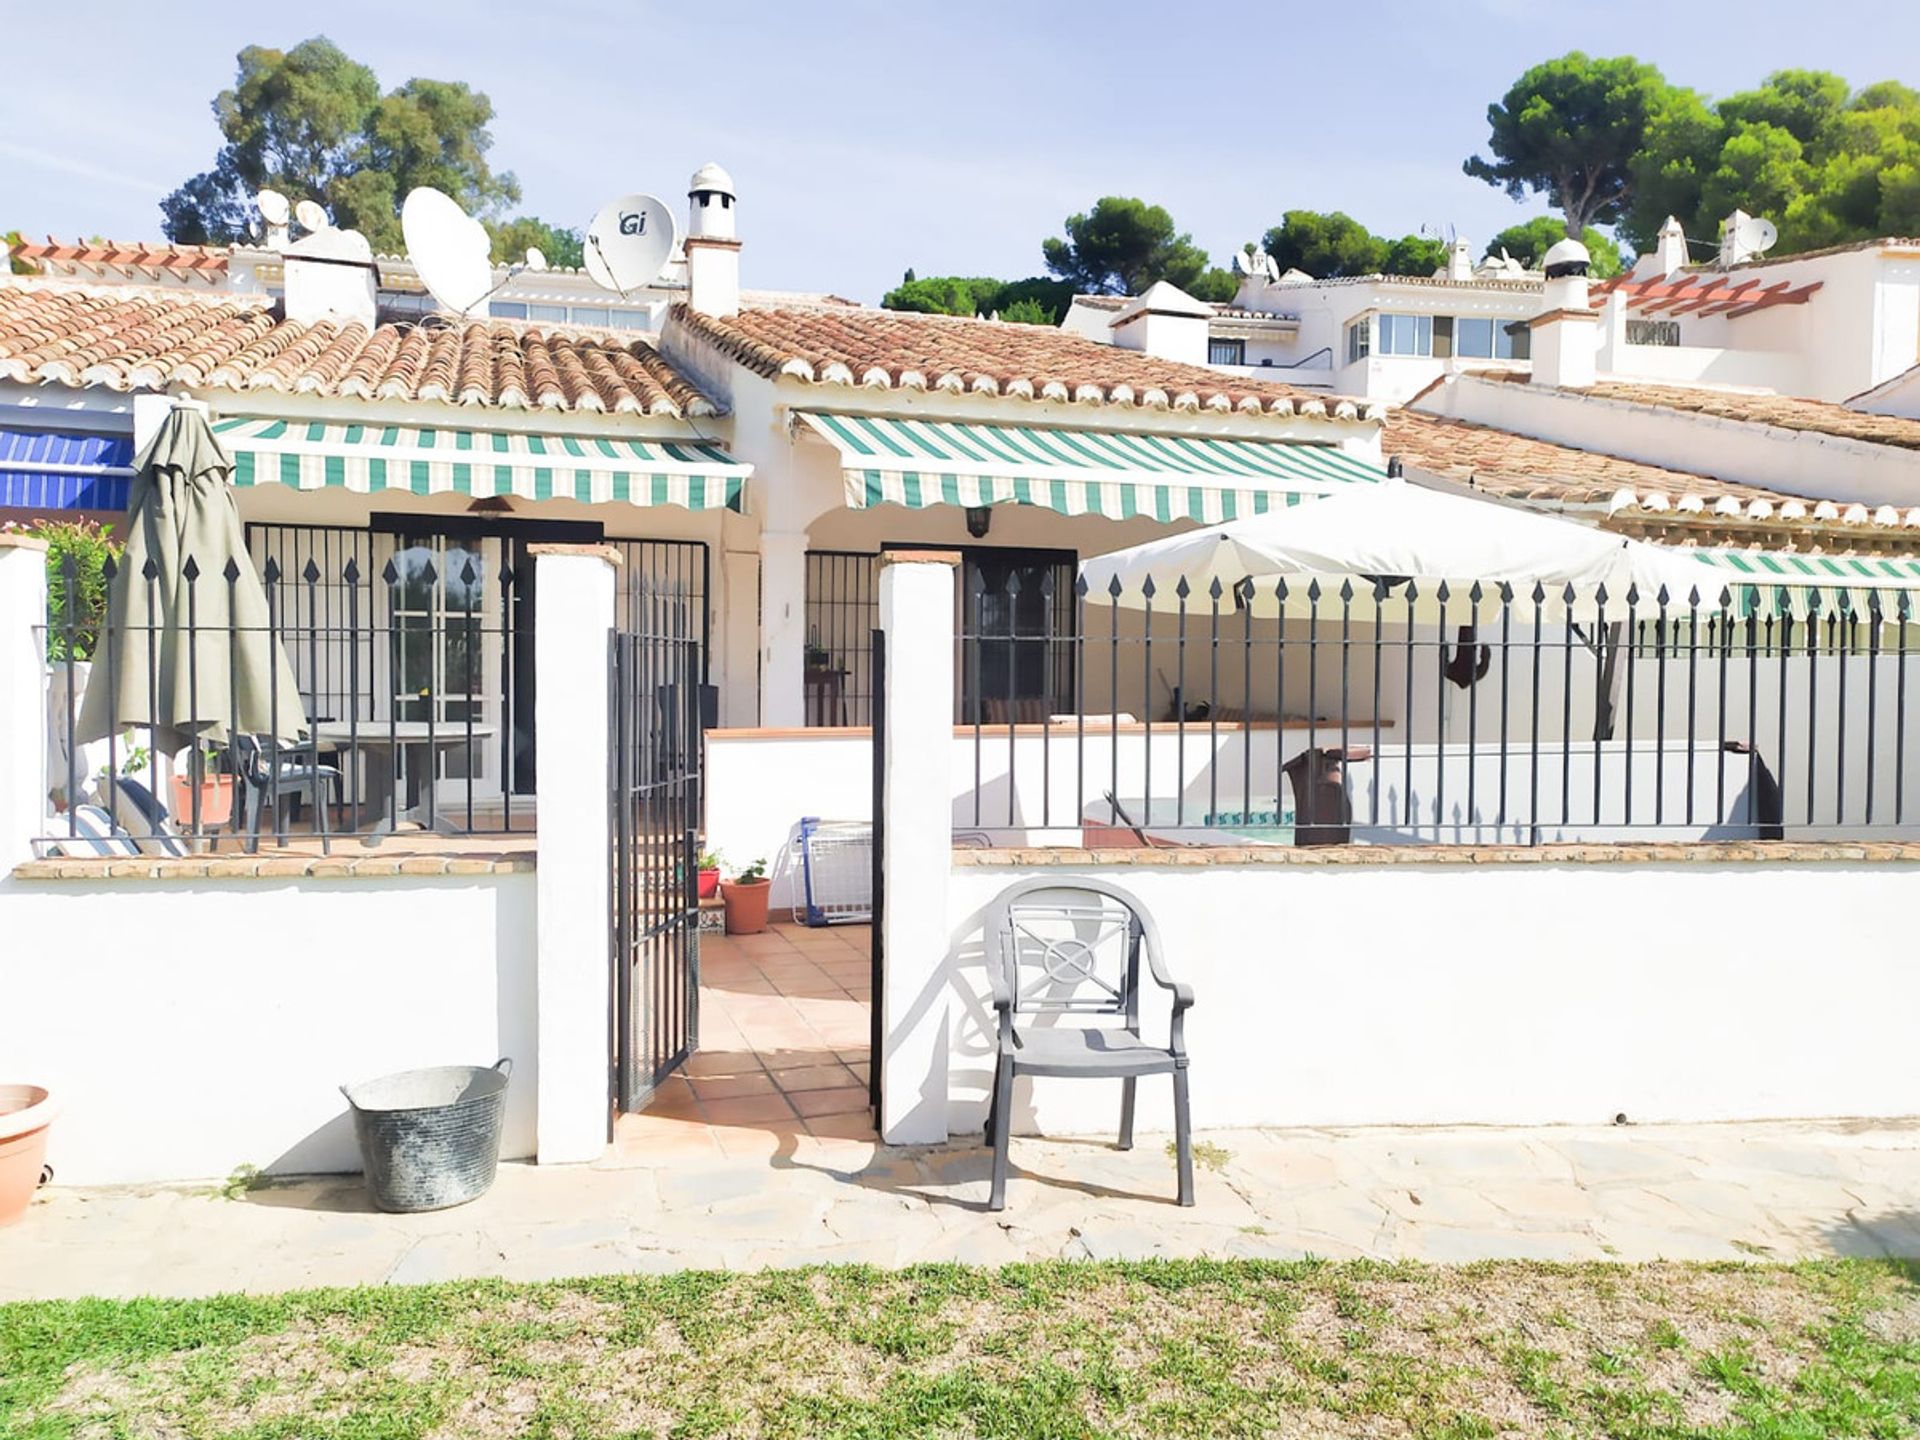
[1062, 950]
[290, 775]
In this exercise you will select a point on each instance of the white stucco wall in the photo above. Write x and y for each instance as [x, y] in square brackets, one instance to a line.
[1491, 994]
[189, 1027]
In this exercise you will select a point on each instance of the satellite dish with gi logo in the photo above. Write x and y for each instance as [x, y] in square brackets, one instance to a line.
[629, 242]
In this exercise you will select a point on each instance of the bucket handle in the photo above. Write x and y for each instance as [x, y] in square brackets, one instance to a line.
[504, 1065]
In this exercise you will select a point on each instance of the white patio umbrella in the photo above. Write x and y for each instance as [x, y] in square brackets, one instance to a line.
[1397, 532]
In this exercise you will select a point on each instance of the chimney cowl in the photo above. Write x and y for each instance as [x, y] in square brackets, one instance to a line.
[1568, 257]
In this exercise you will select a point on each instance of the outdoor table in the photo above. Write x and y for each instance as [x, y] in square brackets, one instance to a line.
[406, 738]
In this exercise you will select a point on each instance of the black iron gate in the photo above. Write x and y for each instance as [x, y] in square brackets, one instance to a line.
[657, 718]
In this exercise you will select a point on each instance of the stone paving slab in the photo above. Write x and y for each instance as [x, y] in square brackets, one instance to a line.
[1707, 1192]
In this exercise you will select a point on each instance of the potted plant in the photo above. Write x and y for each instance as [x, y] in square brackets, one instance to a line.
[745, 897]
[709, 869]
[216, 789]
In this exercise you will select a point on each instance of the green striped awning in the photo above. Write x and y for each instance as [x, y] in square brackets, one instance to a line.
[1119, 474]
[1790, 582]
[427, 460]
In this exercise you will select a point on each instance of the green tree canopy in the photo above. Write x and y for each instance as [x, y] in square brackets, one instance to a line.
[1325, 244]
[313, 123]
[1571, 129]
[978, 295]
[1414, 255]
[1529, 242]
[1124, 245]
[1826, 164]
[1329, 244]
[563, 246]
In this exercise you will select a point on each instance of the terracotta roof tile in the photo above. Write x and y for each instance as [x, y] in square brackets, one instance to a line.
[1785, 412]
[141, 256]
[1517, 467]
[128, 338]
[892, 349]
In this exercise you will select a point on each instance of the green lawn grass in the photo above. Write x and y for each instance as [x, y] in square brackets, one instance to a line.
[1048, 1350]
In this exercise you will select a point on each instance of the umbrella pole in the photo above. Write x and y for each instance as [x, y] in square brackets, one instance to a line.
[1607, 701]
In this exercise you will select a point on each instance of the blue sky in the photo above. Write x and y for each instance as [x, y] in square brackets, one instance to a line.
[866, 137]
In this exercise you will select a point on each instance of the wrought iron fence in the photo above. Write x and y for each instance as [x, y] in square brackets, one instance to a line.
[1384, 711]
[843, 607]
[404, 679]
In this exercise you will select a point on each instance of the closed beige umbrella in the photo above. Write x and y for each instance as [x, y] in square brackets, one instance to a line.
[189, 655]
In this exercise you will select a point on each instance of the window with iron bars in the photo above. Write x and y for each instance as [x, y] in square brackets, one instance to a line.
[1017, 603]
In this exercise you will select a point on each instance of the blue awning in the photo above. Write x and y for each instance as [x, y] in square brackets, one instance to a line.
[54, 470]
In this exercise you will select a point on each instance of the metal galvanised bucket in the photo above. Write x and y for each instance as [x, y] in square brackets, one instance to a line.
[430, 1138]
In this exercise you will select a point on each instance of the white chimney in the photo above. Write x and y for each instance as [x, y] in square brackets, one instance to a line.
[330, 275]
[1670, 250]
[1459, 264]
[713, 250]
[1566, 332]
[1165, 322]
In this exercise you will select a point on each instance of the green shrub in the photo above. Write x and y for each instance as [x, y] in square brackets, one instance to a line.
[74, 635]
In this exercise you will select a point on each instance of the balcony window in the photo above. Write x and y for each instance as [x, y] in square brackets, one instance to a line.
[1226, 352]
[1406, 335]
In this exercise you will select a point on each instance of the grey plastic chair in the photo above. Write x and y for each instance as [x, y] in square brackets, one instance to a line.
[295, 778]
[1070, 949]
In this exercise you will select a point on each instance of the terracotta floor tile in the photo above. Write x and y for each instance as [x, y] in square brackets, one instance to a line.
[815, 1077]
[798, 1057]
[714, 1060]
[727, 1087]
[814, 1103]
[749, 1110]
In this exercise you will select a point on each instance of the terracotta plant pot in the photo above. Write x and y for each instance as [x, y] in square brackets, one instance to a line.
[709, 883]
[216, 800]
[25, 1114]
[746, 902]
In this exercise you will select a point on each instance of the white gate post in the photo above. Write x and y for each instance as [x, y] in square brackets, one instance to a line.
[916, 613]
[23, 696]
[572, 625]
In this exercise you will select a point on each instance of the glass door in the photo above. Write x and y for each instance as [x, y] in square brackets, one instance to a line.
[446, 647]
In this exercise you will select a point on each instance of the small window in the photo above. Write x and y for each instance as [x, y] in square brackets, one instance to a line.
[554, 313]
[1513, 342]
[1473, 339]
[1442, 336]
[1406, 335]
[1359, 339]
[1226, 352]
[627, 319]
[507, 310]
[590, 315]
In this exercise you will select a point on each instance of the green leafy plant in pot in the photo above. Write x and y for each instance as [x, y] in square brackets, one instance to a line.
[745, 897]
[708, 867]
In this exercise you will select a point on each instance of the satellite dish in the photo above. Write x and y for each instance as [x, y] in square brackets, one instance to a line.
[1759, 236]
[629, 242]
[536, 258]
[273, 207]
[311, 216]
[449, 248]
